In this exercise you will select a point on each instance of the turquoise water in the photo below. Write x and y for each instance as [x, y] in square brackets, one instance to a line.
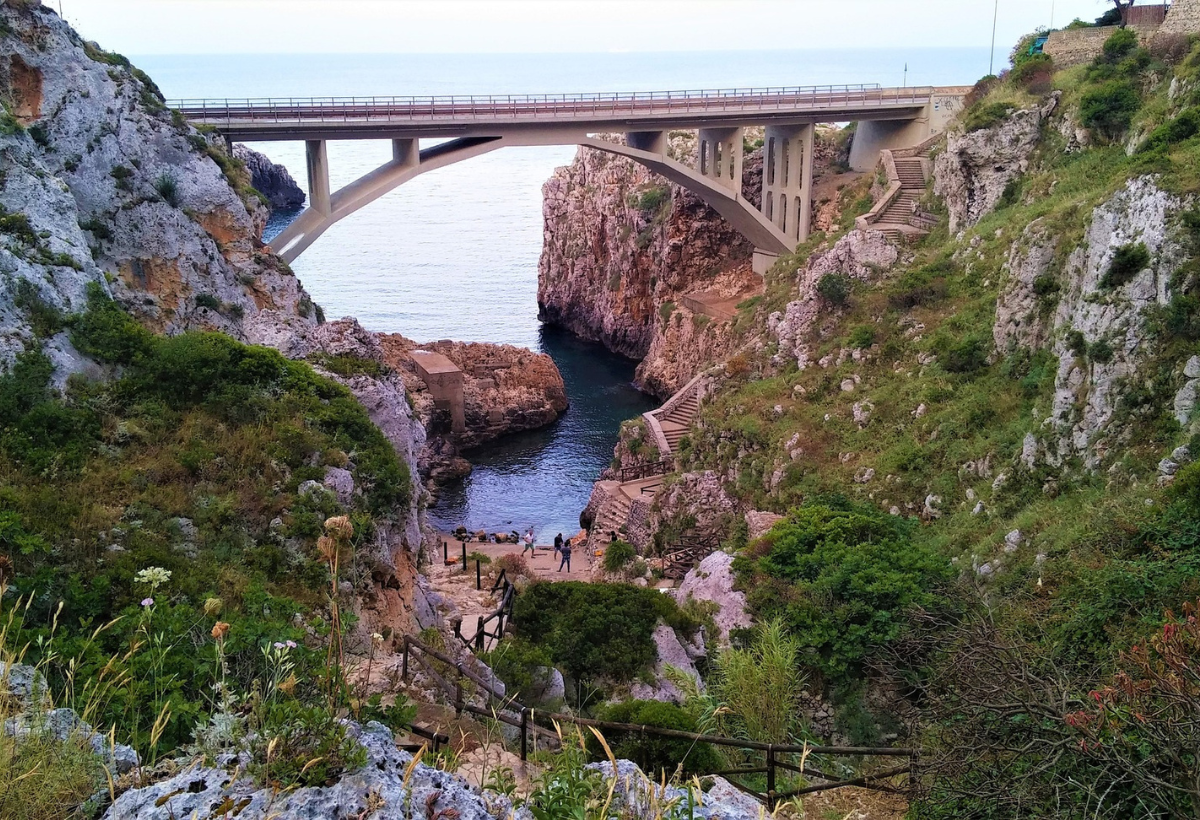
[453, 254]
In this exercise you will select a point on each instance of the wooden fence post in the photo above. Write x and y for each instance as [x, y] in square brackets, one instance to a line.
[524, 734]
[458, 695]
[771, 803]
[404, 661]
[478, 575]
[464, 546]
[445, 553]
[480, 636]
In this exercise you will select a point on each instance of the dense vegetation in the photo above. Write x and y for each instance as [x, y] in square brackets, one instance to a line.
[1053, 583]
[159, 561]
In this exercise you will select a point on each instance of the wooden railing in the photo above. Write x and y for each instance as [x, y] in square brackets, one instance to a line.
[498, 619]
[647, 470]
[675, 562]
[801, 759]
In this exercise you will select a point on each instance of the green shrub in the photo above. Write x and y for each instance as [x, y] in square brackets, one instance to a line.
[207, 300]
[652, 199]
[862, 336]
[760, 686]
[1120, 45]
[1183, 127]
[515, 662]
[665, 310]
[107, 333]
[98, 228]
[986, 116]
[654, 755]
[1127, 262]
[593, 631]
[1108, 108]
[618, 555]
[850, 572]
[965, 355]
[1100, 351]
[914, 288]
[45, 319]
[310, 747]
[168, 188]
[349, 366]
[1077, 343]
[1034, 73]
[835, 289]
[122, 174]
[17, 225]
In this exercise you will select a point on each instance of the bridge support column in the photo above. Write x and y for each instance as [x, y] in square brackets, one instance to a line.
[654, 142]
[787, 178]
[406, 153]
[719, 157]
[318, 176]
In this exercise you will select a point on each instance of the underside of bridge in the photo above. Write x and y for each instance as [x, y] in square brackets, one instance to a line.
[781, 224]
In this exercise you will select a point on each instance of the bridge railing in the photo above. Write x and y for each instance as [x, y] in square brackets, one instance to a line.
[498, 106]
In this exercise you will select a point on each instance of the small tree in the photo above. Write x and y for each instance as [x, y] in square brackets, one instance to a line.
[1120, 8]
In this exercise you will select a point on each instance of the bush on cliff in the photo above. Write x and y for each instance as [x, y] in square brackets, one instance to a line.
[593, 631]
[187, 465]
[654, 755]
[841, 576]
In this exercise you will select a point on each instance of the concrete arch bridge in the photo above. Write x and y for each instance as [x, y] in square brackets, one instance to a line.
[472, 126]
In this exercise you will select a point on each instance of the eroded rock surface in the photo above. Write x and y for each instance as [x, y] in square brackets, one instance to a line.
[270, 179]
[976, 167]
[713, 581]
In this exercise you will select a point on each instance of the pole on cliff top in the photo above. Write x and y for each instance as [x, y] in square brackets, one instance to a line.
[995, 20]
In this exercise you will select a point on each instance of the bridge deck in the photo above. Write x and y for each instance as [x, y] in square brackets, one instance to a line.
[375, 117]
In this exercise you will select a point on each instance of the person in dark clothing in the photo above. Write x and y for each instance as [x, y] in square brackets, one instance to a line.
[558, 542]
[612, 540]
[566, 556]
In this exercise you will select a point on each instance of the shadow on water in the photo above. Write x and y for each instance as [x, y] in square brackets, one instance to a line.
[544, 477]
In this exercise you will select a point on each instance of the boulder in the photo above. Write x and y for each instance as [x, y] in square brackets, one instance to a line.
[271, 179]
[712, 581]
[378, 789]
[636, 795]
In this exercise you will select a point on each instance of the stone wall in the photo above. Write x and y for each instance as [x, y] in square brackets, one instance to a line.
[1078, 45]
[1184, 18]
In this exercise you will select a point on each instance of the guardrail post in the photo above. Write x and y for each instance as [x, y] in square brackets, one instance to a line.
[464, 551]
[771, 802]
[524, 734]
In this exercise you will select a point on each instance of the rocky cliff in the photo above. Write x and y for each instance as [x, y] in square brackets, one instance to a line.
[270, 179]
[646, 268]
[101, 185]
[623, 246]
[104, 185]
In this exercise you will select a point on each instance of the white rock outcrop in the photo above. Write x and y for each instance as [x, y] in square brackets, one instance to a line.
[976, 167]
[713, 581]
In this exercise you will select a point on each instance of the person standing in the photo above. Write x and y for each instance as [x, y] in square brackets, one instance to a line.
[558, 542]
[566, 556]
[529, 544]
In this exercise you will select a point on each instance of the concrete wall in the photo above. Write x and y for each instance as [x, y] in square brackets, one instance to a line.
[1077, 45]
[445, 383]
[871, 137]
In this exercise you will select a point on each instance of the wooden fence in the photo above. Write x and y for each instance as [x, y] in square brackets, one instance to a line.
[498, 619]
[777, 758]
[648, 470]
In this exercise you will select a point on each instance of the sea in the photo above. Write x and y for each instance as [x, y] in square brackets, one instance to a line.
[453, 254]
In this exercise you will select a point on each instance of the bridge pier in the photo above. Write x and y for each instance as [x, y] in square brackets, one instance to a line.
[406, 153]
[719, 157]
[318, 176]
[787, 178]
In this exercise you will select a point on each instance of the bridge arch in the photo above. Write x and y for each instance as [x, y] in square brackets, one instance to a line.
[714, 187]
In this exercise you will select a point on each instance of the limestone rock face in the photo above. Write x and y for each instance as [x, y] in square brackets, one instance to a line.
[506, 389]
[636, 795]
[712, 581]
[622, 246]
[120, 195]
[861, 255]
[270, 179]
[1088, 387]
[976, 167]
[378, 789]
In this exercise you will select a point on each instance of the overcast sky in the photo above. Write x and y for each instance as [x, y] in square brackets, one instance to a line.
[455, 26]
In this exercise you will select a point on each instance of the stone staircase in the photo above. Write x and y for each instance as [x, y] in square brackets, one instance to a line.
[623, 506]
[898, 213]
[678, 420]
[671, 422]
